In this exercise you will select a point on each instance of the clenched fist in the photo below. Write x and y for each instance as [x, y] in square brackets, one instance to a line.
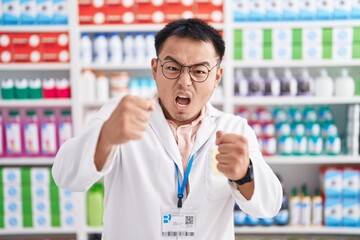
[129, 120]
[233, 157]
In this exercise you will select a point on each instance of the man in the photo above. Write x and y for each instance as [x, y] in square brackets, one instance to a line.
[173, 168]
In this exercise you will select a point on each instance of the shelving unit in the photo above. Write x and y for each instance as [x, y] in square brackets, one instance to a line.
[291, 166]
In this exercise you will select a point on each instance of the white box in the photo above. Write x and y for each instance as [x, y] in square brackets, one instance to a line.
[252, 35]
[11, 11]
[342, 51]
[253, 52]
[11, 175]
[60, 10]
[311, 35]
[241, 10]
[66, 195]
[28, 11]
[68, 220]
[291, 9]
[351, 183]
[343, 35]
[351, 212]
[41, 221]
[325, 9]
[13, 221]
[44, 11]
[355, 9]
[308, 9]
[40, 191]
[333, 183]
[312, 51]
[12, 191]
[282, 51]
[40, 175]
[41, 207]
[67, 207]
[333, 212]
[257, 10]
[12, 207]
[342, 9]
[281, 35]
[274, 10]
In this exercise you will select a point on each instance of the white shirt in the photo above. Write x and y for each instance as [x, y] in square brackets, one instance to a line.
[140, 179]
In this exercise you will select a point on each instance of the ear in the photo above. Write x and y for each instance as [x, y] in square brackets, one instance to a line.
[154, 64]
[219, 74]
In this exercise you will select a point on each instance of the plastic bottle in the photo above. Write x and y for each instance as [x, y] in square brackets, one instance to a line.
[282, 218]
[272, 84]
[315, 141]
[129, 48]
[49, 89]
[288, 84]
[324, 85]
[35, 88]
[317, 205]
[65, 128]
[13, 134]
[119, 84]
[256, 83]
[62, 86]
[332, 141]
[21, 88]
[48, 133]
[305, 83]
[285, 143]
[295, 208]
[2, 136]
[140, 48]
[88, 83]
[115, 48]
[31, 133]
[100, 49]
[7, 88]
[305, 207]
[239, 216]
[150, 46]
[241, 86]
[344, 85]
[102, 87]
[95, 202]
[86, 49]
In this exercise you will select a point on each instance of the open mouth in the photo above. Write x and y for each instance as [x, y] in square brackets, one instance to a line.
[182, 101]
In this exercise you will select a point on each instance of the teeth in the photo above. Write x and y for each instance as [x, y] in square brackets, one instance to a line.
[182, 96]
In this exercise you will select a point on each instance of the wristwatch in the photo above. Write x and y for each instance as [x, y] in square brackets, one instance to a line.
[249, 176]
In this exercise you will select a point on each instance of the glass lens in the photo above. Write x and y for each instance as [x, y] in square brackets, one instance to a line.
[171, 69]
[199, 72]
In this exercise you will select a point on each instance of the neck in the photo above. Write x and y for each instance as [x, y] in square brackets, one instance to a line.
[176, 121]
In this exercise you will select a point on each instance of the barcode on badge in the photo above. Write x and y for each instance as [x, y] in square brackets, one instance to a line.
[180, 234]
[189, 220]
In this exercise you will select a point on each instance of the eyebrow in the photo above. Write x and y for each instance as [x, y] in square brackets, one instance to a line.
[173, 59]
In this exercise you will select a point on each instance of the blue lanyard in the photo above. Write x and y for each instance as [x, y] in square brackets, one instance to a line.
[183, 184]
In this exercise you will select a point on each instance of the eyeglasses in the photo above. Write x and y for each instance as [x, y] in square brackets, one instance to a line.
[197, 72]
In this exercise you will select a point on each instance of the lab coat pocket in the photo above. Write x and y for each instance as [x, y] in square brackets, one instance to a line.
[217, 186]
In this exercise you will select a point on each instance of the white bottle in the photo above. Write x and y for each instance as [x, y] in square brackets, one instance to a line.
[150, 46]
[272, 83]
[102, 87]
[305, 83]
[241, 83]
[288, 84]
[100, 49]
[88, 81]
[86, 49]
[140, 48]
[128, 48]
[324, 85]
[115, 48]
[344, 85]
[256, 83]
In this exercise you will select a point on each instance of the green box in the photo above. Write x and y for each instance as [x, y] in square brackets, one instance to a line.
[357, 86]
[327, 36]
[238, 36]
[267, 36]
[238, 53]
[297, 36]
[267, 51]
[55, 220]
[356, 50]
[297, 52]
[356, 34]
[327, 51]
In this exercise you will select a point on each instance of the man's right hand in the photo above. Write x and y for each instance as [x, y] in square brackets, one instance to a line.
[127, 122]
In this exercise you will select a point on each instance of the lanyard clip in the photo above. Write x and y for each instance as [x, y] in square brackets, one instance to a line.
[180, 196]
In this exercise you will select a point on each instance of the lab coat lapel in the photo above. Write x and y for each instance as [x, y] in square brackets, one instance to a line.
[162, 130]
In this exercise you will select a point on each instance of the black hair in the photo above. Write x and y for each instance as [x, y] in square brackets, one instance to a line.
[191, 28]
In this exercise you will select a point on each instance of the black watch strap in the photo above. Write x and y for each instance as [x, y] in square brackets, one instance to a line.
[249, 176]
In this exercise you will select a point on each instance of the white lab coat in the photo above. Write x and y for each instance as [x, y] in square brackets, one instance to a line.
[140, 179]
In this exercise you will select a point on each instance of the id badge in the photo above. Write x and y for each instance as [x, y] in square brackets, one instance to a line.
[175, 224]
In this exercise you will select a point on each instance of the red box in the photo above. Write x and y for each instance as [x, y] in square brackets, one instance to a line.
[120, 14]
[209, 11]
[55, 47]
[146, 12]
[26, 47]
[6, 53]
[177, 10]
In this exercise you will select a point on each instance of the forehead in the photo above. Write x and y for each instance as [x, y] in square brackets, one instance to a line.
[186, 49]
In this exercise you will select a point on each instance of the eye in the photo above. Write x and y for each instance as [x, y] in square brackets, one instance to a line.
[199, 70]
[171, 67]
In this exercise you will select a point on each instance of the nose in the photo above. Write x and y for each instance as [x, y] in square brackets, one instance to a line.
[184, 78]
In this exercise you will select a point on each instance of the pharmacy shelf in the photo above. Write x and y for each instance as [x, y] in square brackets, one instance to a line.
[321, 159]
[36, 103]
[117, 67]
[297, 24]
[26, 161]
[298, 100]
[129, 28]
[297, 230]
[34, 28]
[34, 66]
[33, 231]
[94, 230]
[296, 63]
